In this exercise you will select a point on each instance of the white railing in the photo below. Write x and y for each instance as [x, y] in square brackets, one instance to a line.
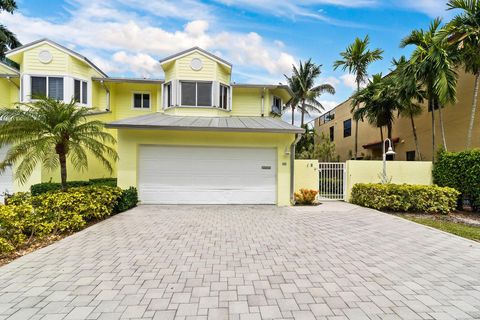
[332, 182]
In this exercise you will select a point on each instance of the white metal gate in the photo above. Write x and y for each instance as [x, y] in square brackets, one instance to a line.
[333, 181]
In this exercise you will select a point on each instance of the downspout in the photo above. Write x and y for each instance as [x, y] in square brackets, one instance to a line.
[108, 94]
[263, 102]
[292, 167]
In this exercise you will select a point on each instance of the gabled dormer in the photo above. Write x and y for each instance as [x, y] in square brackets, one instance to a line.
[196, 79]
[50, 69]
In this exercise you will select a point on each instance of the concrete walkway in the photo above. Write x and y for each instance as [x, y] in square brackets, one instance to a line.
[336, 261]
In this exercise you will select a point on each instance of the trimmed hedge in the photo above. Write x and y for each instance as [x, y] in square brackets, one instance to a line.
[128, 199]
[27, 217]
[405, 198]
[44, 187]
[460, 170]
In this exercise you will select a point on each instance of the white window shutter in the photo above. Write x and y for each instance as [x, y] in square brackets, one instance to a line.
[176, 92]
[163, 96]
[26, 88]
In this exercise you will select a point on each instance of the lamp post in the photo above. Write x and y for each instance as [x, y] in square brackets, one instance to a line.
[389, 152]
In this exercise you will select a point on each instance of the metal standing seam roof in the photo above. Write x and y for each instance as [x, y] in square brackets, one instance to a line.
[233, 124]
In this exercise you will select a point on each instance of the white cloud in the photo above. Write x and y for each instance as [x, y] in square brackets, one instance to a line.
[431, 8]
[119, 37]
[349, 80]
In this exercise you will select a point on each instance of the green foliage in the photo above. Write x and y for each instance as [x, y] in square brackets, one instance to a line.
[460, 170]
[306, 197]
[27, 217]
[49, 132]
[405, 198]
[128, 199]
[323, 149]
[8, 40]
[40, 188]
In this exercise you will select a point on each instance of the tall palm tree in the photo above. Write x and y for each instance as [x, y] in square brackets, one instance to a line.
[8, 40]
[410, 95]
[464, 32]
[306, 93]
[356, 59]
[48, 132]
[435, 69]
[378, 103]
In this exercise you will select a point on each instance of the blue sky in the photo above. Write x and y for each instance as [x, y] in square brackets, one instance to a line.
[262, 38]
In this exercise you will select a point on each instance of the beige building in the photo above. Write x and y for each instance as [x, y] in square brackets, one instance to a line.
[340, 127]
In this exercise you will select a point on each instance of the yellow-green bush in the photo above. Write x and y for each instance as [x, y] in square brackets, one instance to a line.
[405, 198]
[306, 197]
[53, 212]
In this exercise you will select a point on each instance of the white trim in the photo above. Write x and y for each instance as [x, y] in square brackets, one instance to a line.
[10, 68]
[29, 97]
[89, 91]
[196, 93]
[195, 50]
[142, 93]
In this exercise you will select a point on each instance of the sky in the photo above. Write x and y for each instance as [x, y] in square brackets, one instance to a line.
[261, 38]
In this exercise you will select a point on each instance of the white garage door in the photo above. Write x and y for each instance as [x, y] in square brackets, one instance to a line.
[198, 175]
[6, 177]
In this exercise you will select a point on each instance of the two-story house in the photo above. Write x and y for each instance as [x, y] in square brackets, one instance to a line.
[193, 137]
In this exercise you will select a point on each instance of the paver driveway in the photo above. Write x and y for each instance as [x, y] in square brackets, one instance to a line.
[335, 261]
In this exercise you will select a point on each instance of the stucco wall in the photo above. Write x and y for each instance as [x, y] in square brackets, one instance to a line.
[410, 172]
[306, 174]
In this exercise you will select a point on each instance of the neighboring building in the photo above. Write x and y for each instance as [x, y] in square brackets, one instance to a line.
[340, 127]
[193, 137]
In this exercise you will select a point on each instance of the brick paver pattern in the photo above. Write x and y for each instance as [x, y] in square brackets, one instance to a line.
[335, 261]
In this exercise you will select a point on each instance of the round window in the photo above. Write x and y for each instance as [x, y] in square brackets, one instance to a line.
[196, 64]
[45, 56]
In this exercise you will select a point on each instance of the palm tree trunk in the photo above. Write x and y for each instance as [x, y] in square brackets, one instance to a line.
[389, 131]
[303, 113]
[430, 106]
[62, 157]
[356, 128]
[442, 127]
[381, 134]
[415, 138]
[474, 110]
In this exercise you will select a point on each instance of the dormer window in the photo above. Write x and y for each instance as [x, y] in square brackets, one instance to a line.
[196, 93]
[224, 97]
[51, 87]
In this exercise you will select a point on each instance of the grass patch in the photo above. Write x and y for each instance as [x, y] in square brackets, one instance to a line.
[459, 229]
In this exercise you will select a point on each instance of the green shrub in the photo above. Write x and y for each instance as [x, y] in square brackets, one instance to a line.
[128, 199]
[405, 198]
[460, 170]
[14, 222]
[44, 187]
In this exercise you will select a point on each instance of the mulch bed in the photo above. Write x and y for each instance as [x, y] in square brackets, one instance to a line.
[33, 245]
[464, 217]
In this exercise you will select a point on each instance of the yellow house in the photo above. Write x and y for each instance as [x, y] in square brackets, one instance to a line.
[340, 127]
[193, 137]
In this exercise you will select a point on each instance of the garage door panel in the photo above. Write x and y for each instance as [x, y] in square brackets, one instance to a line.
[199, 175]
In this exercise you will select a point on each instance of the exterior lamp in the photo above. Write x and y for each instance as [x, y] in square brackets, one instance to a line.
[389, 152]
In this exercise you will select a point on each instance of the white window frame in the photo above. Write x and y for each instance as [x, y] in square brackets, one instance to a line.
[228, 107]
[142, 93]
[47, 84]
[81, 91]
[166, 105]
[196, 94]
[281, 104]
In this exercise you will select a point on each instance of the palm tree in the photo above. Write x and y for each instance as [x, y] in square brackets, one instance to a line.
[435, 69]
[48, 132]
[306, 93]
[464, 32]
[8, 40]
[410, 94]
[378, 103]
[356, 59]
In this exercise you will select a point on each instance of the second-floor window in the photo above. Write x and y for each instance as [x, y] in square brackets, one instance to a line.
[277, 105]
[80, 91]
[167, 87]
[332, 133]
[141, 100]
[51, 87]
[347, 128]
[224, 96]
[196, 94]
